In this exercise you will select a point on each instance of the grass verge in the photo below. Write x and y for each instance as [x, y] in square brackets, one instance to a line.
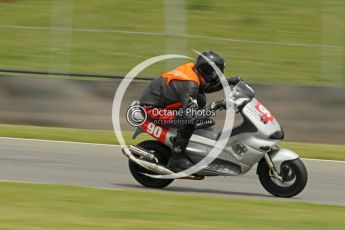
[33, 206]
[306, 150]
[264, 41]
[66, 134]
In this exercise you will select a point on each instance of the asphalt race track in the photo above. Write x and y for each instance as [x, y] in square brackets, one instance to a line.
[104, 166]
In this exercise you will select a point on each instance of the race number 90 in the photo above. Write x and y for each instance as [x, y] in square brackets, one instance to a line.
[154, 130]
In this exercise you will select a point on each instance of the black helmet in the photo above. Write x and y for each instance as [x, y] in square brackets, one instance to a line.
[204, 68]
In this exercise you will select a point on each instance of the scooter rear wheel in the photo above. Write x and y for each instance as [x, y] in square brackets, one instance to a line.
[162, 153]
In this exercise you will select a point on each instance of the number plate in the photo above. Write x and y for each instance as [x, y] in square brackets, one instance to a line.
[156, 131]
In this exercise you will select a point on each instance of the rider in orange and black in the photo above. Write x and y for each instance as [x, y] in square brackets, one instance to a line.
[182, 88]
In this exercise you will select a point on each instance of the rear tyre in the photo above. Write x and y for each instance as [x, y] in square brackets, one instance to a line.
[294, 176]
[162, 153]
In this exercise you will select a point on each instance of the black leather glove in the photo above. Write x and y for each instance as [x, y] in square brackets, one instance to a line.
[218, 105]
[234, 80]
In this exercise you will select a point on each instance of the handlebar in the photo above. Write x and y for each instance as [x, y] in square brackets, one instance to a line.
[241, 94]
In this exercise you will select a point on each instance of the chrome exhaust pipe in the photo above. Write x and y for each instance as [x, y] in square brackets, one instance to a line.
[153, 167]
[142, 153]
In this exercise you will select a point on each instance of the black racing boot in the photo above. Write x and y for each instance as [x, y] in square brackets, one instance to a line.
[178, 160]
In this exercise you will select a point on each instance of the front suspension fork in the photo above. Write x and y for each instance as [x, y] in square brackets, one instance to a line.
[271, 167]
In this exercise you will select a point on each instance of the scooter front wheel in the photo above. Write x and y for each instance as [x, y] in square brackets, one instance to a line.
[294, 176]
[162, 153]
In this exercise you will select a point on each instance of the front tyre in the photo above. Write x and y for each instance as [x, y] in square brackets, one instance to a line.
[162, 153]
[294, 176]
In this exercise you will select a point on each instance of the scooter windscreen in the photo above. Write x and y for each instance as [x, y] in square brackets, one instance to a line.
[243, 90]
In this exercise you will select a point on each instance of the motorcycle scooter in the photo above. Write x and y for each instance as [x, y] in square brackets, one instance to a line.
[280, 171]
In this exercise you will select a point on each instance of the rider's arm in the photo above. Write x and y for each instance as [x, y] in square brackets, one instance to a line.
[188, 92]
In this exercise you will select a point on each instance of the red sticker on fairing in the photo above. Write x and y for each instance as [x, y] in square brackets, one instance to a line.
[158, 132]
[266, 115]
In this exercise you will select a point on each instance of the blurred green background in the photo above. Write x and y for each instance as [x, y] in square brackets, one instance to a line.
[293, 42]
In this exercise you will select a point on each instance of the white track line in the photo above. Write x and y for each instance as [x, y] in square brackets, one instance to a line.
[47, 183]
[110, 145]
[311, 159]
[170, 34]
